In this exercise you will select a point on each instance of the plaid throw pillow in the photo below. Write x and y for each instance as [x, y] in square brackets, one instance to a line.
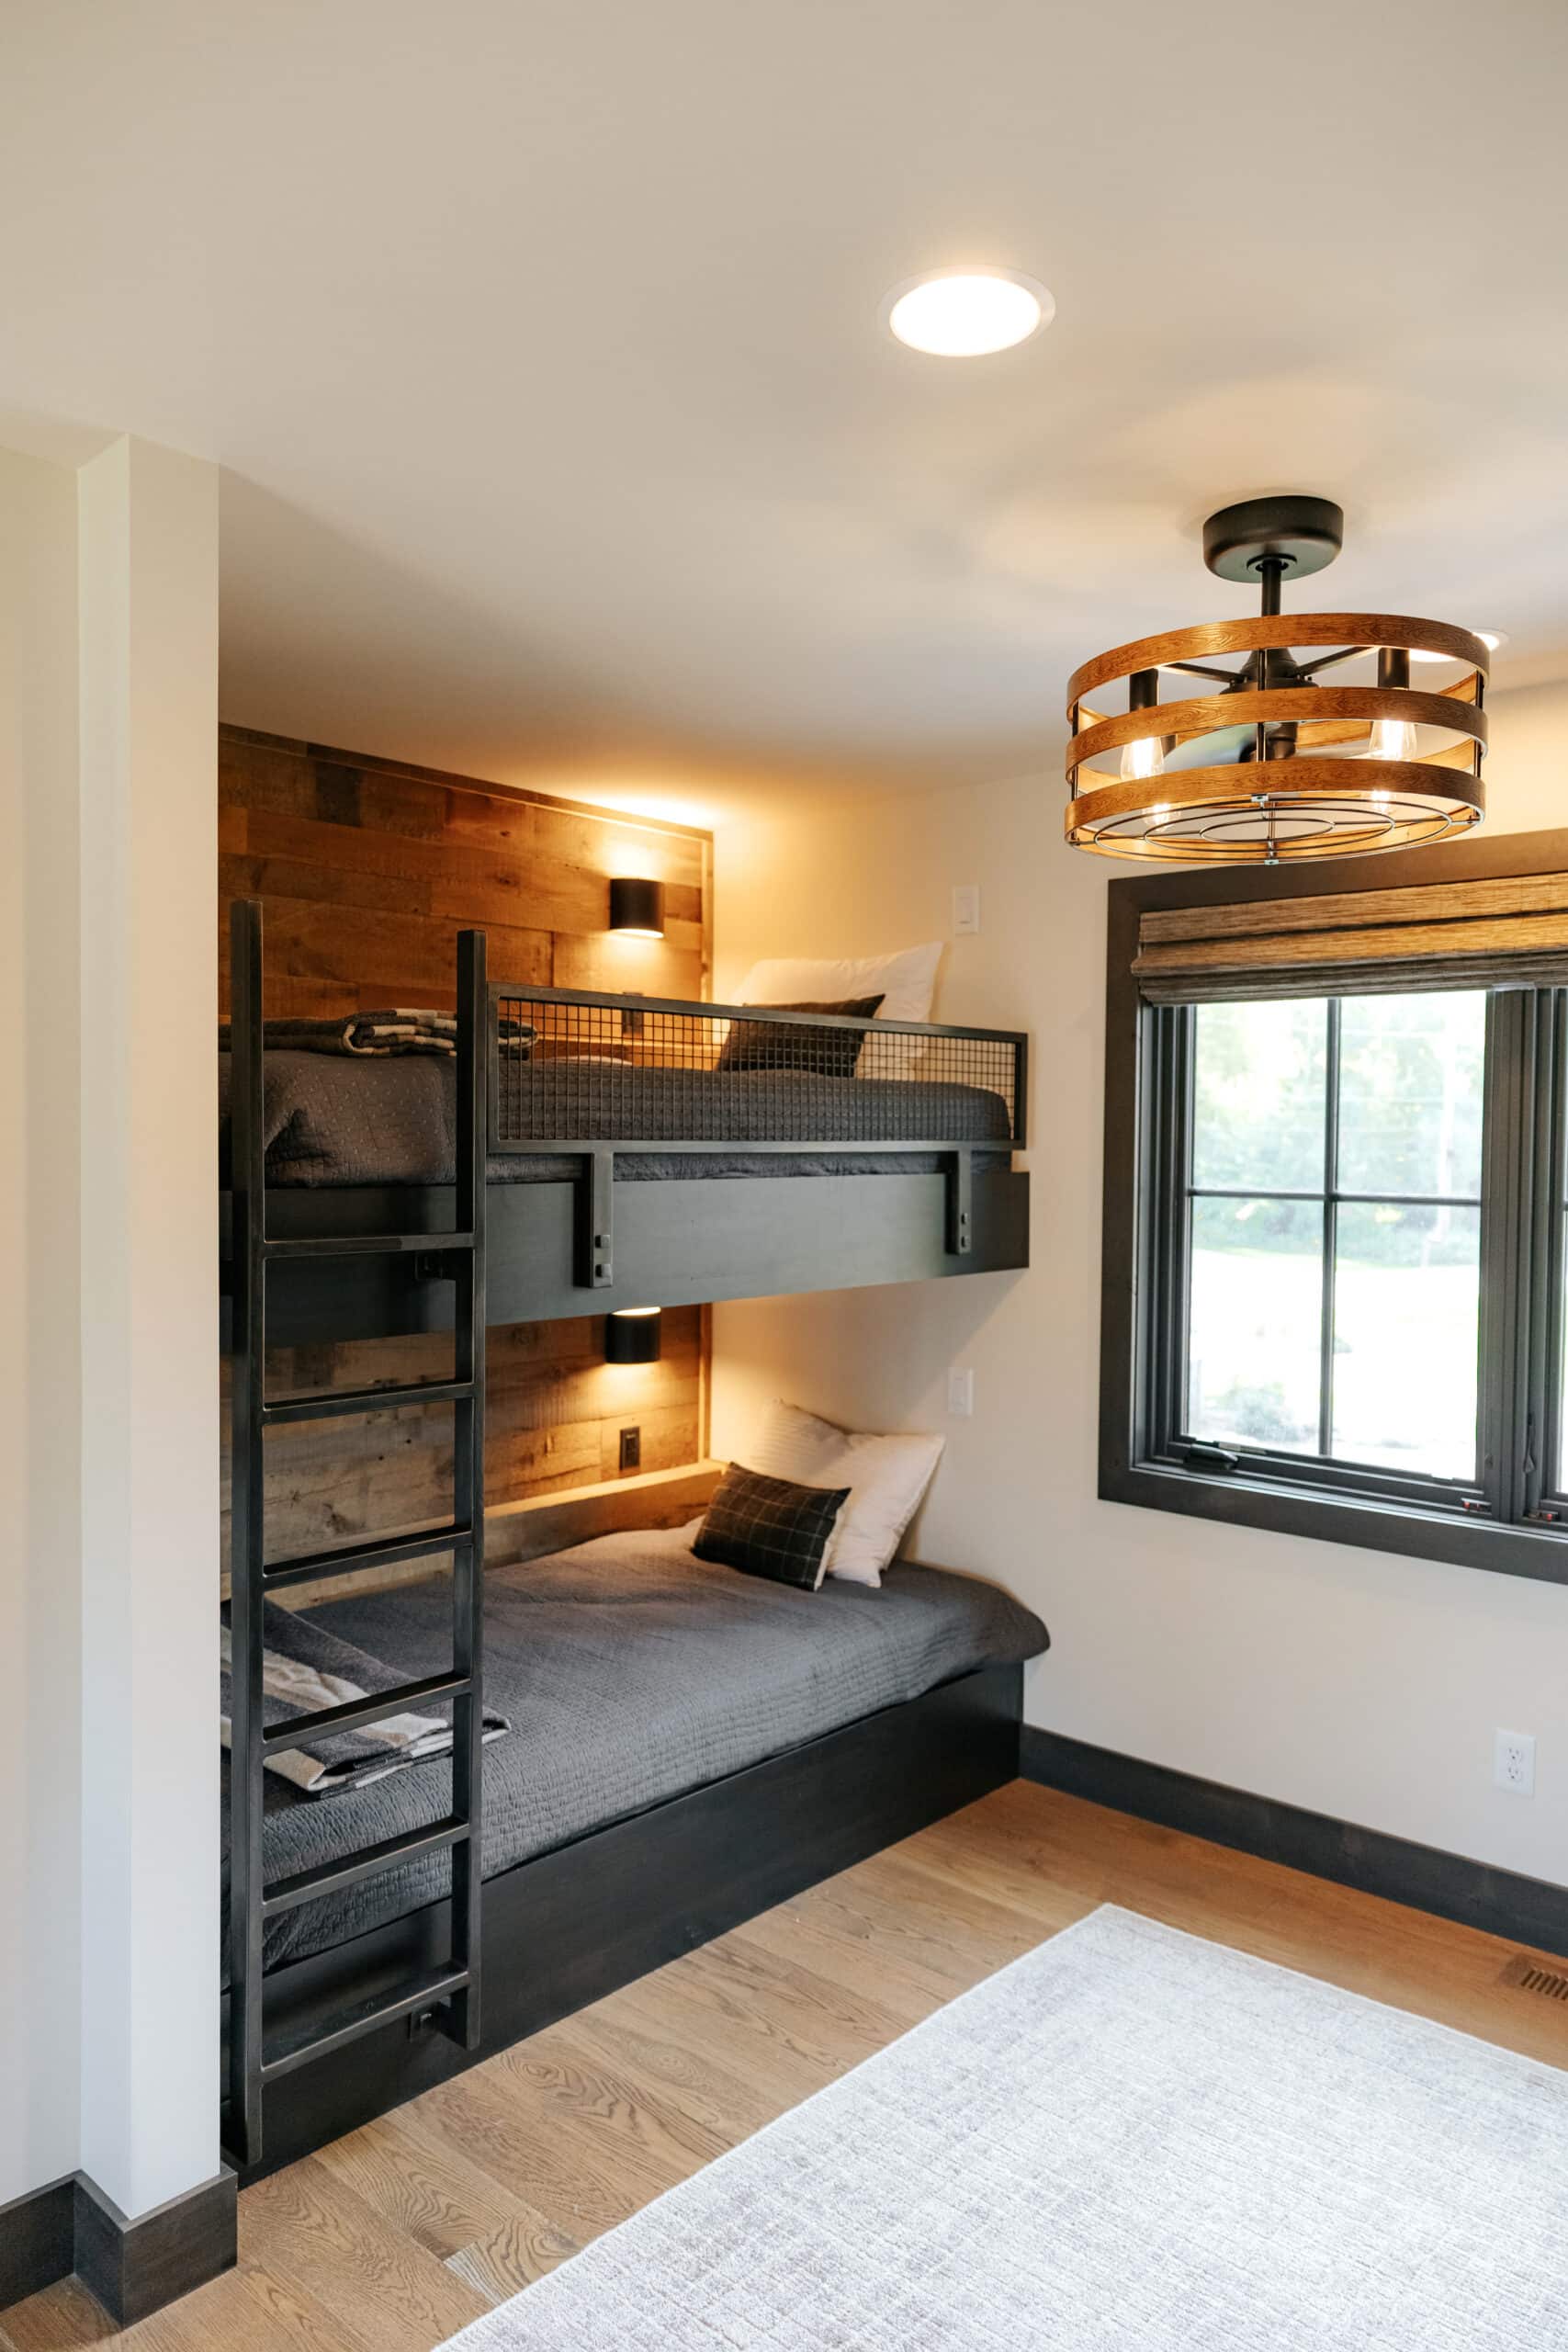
[765, 1527]
[793, 1045]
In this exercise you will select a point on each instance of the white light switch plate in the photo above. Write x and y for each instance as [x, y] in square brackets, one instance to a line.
[966, 909]
[961, 1392]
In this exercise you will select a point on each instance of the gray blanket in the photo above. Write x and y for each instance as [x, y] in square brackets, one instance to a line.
[401, 1030]
[630, 1671]
[330, 1119]
[306, 1668]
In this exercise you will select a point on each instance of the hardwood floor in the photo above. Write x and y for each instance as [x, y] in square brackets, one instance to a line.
[394, 2238]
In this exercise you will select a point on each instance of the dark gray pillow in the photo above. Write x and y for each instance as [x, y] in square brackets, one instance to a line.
[791, 1045]
[768, 1527]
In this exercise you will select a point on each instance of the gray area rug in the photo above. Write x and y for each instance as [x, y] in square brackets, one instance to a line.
[1128, 2138]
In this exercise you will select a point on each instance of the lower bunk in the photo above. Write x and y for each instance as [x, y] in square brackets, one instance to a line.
[686, 1747]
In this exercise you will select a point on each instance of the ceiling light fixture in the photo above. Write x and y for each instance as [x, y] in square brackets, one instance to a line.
[1266, 763]
[964, 313]
[1491, 637]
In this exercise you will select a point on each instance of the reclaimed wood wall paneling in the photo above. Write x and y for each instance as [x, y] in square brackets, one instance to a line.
[367, 871]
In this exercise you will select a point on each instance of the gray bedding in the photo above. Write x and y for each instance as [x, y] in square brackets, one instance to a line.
[331, 1119]
[630, 1671]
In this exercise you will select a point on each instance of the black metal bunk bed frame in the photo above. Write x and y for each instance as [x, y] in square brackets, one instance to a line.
[447, 1992]
[365, 2026]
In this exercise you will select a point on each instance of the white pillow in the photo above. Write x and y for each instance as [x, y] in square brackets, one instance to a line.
[905, 983]
[886, 1478]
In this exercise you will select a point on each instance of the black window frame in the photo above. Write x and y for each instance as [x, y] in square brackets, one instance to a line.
[1513, 1517]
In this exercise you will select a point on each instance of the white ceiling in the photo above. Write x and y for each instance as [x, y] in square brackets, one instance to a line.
[539, 340]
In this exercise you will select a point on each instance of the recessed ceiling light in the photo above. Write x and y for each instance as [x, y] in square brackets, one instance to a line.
[1491, 637]
[961, 314]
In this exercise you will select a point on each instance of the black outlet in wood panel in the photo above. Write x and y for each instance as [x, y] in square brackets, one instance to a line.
[631, 1449]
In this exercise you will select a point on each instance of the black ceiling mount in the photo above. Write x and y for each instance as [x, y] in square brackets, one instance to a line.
[1297, 534]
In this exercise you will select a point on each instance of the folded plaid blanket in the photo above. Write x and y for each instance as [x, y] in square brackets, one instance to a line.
[399, 1031]
[305, 1668]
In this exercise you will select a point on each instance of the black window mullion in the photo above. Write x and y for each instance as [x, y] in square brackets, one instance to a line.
[1330, 1232]
[1508, 1153]
[1170, 1149]
[1541, 1495]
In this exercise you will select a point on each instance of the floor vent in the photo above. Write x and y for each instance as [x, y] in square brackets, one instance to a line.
[1530, 1976]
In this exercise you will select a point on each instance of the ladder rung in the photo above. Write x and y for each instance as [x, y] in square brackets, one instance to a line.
[410, 1846]
[363, 1245]
[291, 2049]
[354, 1711]
[386, 1553]
[329, 1402]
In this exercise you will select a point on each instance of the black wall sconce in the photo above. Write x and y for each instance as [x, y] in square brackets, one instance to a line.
[636, 907]
[634, 1335]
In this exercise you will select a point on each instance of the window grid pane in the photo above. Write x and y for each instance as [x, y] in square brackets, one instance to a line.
[1380, 1276]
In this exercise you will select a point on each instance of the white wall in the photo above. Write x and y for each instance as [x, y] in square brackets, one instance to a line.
[148, 688]
[1362, 1685]
[108, 1324]
[39, 1470]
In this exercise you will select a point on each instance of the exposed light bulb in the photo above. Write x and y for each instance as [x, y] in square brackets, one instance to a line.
[1392, 739]
[1144, 756]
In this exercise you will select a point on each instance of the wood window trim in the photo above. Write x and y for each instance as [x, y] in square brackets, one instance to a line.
[1125, 1475]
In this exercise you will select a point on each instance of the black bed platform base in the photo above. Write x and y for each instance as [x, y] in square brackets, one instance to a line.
[576, 1924]
[679, 1242]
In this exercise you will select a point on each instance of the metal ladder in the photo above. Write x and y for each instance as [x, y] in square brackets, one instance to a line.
[451, 1992]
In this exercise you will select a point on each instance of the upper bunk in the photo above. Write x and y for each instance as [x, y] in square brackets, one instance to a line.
[637, 1150]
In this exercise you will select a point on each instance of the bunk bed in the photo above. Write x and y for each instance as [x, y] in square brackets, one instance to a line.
[577, 1149]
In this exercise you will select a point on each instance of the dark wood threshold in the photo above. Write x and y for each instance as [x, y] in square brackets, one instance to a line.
[1452, 1886]
[133, 2268]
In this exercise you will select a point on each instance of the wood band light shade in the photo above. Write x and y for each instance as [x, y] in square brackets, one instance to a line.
[1311, 778]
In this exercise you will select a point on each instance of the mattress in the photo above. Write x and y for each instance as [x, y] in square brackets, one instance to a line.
[331, 1119]
[630, 1671]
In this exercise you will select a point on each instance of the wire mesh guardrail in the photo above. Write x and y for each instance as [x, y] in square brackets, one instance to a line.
[570, 1067]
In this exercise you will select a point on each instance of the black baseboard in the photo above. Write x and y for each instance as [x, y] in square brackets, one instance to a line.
[1522, 1910]
[132, 2268]
[37, 2238]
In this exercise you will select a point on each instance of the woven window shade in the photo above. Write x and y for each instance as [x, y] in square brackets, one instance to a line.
[1511, 931]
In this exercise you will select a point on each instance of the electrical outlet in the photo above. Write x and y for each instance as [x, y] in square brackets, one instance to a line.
[631, 1449]
[1513, 1762]
[966, 909]
[961, 1392]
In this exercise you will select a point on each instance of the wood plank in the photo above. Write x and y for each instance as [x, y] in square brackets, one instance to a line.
[1452, 900]
[291, 857]
[543, 1523]
[555, 1411]
[315, 2235]
[1416, 943]
[670, 966]
[306, 939]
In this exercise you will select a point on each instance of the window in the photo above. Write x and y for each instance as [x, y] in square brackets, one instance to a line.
[1349, 1232]
[1332, 1230]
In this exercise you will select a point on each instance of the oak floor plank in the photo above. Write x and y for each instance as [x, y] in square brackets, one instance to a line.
[63, 2319]
[512, 2257]
[418, 2185]
[573, 2185]
[393, 2239]
[584, 2142]
[314, 2233]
